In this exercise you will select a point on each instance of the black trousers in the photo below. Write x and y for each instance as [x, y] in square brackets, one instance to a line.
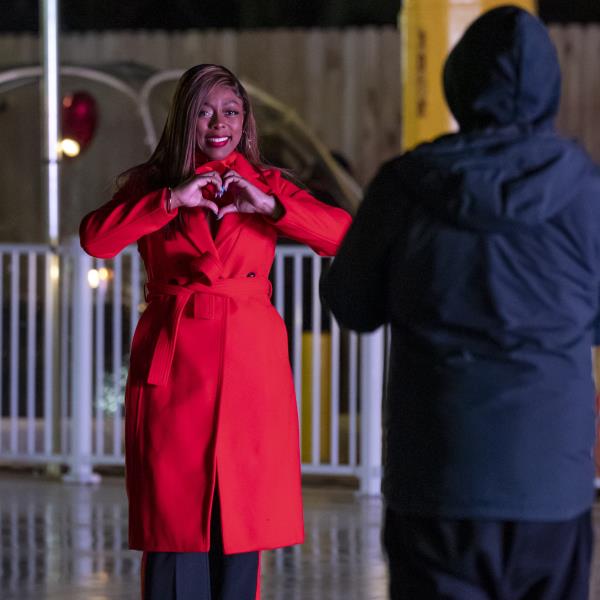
[201, 575]
[457, 559]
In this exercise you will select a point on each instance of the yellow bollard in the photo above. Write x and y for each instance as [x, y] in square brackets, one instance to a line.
[429, 29]
[308, 401]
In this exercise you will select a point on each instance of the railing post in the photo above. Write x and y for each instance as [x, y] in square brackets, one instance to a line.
[80, 452]
[372, 361]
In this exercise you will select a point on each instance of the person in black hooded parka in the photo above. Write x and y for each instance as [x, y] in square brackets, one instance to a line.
[482, 250]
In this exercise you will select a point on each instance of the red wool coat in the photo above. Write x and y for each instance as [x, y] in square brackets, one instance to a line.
[210, 398]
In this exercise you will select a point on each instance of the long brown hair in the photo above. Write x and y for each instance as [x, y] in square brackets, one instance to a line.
[174, 159]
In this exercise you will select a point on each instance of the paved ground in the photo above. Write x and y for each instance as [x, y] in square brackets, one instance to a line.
[64, 542]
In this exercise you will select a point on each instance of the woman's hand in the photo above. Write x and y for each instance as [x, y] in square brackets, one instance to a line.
[247, 198]
[189, 193]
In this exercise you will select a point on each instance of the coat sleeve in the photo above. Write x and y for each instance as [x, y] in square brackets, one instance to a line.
[355, 287]
[131, 214]
[309, 221]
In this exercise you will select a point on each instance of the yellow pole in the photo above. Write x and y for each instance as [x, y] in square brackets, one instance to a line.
[429, 29]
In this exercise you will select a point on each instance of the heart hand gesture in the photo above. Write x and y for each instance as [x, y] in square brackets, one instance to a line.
[247, 198]
[189, 193]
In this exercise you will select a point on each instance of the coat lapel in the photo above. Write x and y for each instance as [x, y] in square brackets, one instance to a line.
[196, 230]
[196, 227]
[233, 223]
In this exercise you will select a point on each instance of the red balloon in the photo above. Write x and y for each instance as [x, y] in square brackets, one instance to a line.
[79, 118]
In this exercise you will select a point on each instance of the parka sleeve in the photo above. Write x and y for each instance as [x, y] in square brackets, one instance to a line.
[355, 287]
[308, 220]
[131, 214]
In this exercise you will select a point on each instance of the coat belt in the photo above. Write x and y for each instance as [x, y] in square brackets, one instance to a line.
[207, 300]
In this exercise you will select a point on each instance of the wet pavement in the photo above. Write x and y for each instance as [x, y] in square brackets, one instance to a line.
[69, 542]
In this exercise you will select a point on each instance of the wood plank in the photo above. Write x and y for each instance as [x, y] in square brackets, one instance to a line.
[88, 48]
[212, 49]
[590, 90]
[182, 50]
[228, 49]
[312, 111]
[330, 89]
[391, 106]
[157, 48]
[570, 48]
[253, 56]
[349, 98]
[371, 95]
[111, 48]
[282, 81]
[26, 50]
[558, 38]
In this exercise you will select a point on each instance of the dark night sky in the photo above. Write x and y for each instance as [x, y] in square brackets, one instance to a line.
[22, 15]
[570, 10]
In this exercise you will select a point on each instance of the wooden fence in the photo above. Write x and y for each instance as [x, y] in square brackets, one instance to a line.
[579, 52]
[344, 83]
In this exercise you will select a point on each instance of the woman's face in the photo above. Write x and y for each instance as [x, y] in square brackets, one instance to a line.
[220, 123]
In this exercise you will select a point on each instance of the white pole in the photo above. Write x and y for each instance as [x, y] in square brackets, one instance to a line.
[372, 361]
[49, 26]
[51, 123]
[80, 451]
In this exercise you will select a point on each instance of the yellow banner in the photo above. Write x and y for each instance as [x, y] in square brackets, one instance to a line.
[429, 29]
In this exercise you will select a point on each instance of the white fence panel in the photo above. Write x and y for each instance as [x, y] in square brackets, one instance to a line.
[26, 413]
[100, 304]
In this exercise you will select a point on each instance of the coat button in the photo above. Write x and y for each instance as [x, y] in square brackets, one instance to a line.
[251, 274]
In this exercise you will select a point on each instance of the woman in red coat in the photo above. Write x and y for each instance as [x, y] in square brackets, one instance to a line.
[212, 450]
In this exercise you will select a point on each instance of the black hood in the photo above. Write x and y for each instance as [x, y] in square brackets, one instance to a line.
[503, 71]
[506, 167]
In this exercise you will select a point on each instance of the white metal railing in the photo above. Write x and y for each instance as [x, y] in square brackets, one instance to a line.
[26, 326]
[76, 416]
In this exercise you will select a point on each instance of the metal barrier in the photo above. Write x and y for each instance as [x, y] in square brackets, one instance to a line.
[78, 420]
